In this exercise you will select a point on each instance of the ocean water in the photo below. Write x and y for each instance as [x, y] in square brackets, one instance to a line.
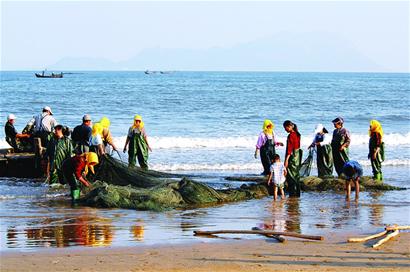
[207, 123]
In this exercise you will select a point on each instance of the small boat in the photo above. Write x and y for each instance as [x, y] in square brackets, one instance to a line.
[52, 75]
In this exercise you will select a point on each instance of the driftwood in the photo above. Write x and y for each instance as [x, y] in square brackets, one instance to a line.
[395, 227]
[364, 239]
[277, 237]
[387, 238]
[263, 232]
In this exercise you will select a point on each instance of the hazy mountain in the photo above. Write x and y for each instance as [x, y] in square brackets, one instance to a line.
[283, 52]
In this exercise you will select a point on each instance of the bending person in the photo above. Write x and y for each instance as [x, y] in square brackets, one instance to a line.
[12, 136]
[138, 149]
[340, 145]
[266, 146]
[73, 169]
[324, 160]
[376, 149]
[352, 171]
[293, 158]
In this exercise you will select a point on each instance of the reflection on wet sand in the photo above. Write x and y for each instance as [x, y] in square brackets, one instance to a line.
[376, 210]
[137, 231]
[77, 231]
[285, 216]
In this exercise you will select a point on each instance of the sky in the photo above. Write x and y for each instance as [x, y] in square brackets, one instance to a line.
[36, 34]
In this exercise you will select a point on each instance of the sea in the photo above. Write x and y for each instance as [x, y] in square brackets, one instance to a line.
[206, 124]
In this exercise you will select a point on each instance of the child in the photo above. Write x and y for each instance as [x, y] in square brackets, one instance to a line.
[278, 175]
[352, 171]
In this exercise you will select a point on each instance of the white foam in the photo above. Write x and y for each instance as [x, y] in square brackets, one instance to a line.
[245, 166]
[392, 139]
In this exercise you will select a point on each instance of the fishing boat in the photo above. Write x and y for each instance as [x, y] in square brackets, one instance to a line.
[52, 75]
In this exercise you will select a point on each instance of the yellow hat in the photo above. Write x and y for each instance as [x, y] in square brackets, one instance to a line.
[92, 159]
[97, 129]
[375, 126]
[268, 123]
[105, 122]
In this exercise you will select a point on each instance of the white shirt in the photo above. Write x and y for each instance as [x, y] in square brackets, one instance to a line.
[277, 170]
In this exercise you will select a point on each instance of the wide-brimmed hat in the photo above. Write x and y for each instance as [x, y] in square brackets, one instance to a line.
[47, 108]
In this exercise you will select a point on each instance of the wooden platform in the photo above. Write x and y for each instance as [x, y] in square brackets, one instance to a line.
[20, 165]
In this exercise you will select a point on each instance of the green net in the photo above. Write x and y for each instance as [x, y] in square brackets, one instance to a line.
[117, 186]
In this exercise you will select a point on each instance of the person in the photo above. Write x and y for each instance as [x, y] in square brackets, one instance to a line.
[12, 136]
[278, 176]
[43, 125]
[106, 134]
[340, 145]
[139, 146]
[293, 158]
[266, 145]
[96, 142]
[324, 155]
[376, 149]
[352, 171]
[58, 149]
[81, 135]
[73, 169]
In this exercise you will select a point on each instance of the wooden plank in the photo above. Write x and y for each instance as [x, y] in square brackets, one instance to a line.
[364, 239]
[264, 232]
[385, 239]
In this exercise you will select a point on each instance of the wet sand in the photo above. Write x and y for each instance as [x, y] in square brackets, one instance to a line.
[333, 254]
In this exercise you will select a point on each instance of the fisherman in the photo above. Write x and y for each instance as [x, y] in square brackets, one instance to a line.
[96, 142]
[75, 169]
[324, 155]
[12, 135]
[352, 171]
[340, 145]
[43, 125]
[137, 138]
[81, 135]
[106, 134]
[266, 146]
[376, 149]
[59, 148]
[293, 158]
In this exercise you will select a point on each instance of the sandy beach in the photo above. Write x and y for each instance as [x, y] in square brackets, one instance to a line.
[333, 254]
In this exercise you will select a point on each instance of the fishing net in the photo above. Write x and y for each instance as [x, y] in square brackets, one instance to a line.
[306, 166]
[117, 186]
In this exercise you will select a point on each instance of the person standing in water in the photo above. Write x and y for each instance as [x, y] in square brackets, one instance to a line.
[340, 145]
[106, 135]
[266, 146]
[376, 149]
[352, 171]
[293, 158]
[139, 146]
[324, 155]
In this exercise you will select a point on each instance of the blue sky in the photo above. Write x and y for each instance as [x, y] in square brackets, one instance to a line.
[36, 34]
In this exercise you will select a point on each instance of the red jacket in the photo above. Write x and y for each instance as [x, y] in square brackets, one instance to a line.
[293, 142]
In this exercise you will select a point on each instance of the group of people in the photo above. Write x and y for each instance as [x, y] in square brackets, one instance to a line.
[332, 152]
[70, 154]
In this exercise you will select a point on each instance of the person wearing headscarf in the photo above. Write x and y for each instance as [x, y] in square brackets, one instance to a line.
[340, 145]
[324, 155]
[293, 158]
[96, 142]
[376, 149]
[139, 146]
[106, 133]
[266, 146]
[75, 169]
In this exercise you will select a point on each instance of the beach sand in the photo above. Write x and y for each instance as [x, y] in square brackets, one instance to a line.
[333, 254]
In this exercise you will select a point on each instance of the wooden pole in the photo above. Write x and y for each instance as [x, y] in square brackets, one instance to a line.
[395, 227]
[385, 239]
[263, 232]
[364, 239]
[277, 237]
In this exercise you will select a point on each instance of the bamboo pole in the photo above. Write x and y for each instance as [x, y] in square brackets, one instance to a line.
[277, 237]
[395, 227]
[364, 239]
[263, 232]
[385, 239]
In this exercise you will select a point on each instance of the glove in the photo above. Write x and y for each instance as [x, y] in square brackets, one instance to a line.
[256, 154]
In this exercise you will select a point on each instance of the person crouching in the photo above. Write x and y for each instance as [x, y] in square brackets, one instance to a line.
[73, 170]
[277, 176]
[352, 171]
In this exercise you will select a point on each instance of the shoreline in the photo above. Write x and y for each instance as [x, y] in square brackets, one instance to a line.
[265, 254]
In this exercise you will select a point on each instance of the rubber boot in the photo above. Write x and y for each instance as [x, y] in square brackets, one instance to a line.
[378, 178]
[75, 196]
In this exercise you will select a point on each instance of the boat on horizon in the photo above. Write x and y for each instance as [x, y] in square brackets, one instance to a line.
[52, 75]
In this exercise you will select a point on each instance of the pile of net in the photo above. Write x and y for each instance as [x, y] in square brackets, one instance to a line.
[117, 186]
